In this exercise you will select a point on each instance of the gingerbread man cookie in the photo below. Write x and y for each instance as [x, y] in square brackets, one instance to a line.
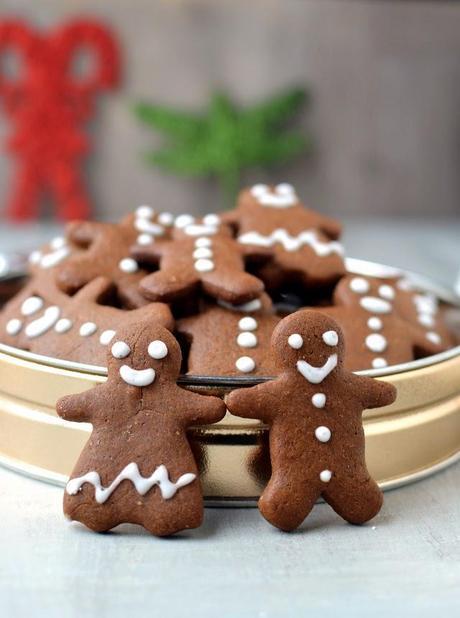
[138, 466]
[376, 335]
[44, 320]
[243, 343]
[314, 415]
[303, 242]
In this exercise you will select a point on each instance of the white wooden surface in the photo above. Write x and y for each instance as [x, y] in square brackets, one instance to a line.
[404, 563]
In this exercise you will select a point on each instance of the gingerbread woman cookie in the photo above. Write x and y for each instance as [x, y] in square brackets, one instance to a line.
[138, 466]
[314, 415]
[242, 346]
[303, 242]
[376, 335]
[44, 320]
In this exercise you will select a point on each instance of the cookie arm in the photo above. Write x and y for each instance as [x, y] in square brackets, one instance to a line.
[330, 227]
[201, 409]
[374, 393]
[78, 408]
[421, 342]
[251, 402]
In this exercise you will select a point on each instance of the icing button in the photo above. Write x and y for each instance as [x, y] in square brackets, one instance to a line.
[245, 364]
[379, 363]
[325, 476]
[319, 400]
[246, 340]
[247, 323]
[323, 434]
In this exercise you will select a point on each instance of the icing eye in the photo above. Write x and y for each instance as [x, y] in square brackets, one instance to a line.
[120, 349]
[359, 285]
[184, 220]
[295, 341]
[157, 349]
[211, 219]
[259, 190]
[331, 338]
[166, 218]
[387, 292]
[145, 212]
[285, 189]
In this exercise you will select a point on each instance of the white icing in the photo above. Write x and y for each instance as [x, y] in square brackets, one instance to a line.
[13, 327]
[375, 323]
[426, 319]
[387, 292]
[87, 329]
[325, 476]
[433, 337]
[282, 196]
[245, 364]
[137, 377]
[202, 252]
[158, 349]
[204, 266]
[144, 239]
[247, 340]
[295, 341]
[323, 434]
[166, 218]
[145, 212]
[120, 349]
[293, 243]
[211, 219]
[375, 305]
[58, 242]
[199, 229]
[359, 285]
[315, 375]
[35, 257]
[203, 242]
[252, 305]
[376, 342]
[184, 220]
[148, 227]
[379, 363]
[106, 337]
[160, 478]
[426, 303]
[247, 323]
[63, 325]
[56, 257]
[319, 400]
[43, 324]
[331, 338]
[128, 265]
[31, 305]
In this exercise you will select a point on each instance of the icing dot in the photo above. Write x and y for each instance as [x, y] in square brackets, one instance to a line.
[128, 265]
[259, 190]
[145, 212]
[376, 342]
[247, 340]
[295, 341]
[426, 319]
[319, 400]
[184, 220]
[202, 252]
[323, 434]
[166, 218]
[211, 219]
[247, 323]
[31, 305]
[58, 242]
[35, 257]
[245, 364]
[120, 349]
[359, 285]
[375, 305]
[106, 337]
[63, 325]
[144, 239]
[203, 242]
[157, 349]
[87, 329]
[325, 476]
[204, 266]
[331, 338]
[379, 363]
[374, 323]
[285, 188]
[387, 292]
[433, 337]
[13, 326]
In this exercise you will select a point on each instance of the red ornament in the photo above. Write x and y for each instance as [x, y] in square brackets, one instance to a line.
[48, 102]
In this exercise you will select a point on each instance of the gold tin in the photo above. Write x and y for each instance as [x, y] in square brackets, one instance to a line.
[416, 436]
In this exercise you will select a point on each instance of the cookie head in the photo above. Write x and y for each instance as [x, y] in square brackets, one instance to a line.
[309, 341]
[278, 196]
[143, 355]
[369, 294]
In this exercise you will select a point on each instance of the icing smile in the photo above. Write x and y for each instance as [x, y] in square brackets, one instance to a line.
[137, 377]
[315, 375]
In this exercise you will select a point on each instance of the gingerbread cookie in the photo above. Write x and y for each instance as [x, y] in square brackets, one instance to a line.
[314, 415]
[52, 254]
[138, 466]
[242, 346]
[44, 320]
[375, 333]
[274, 218]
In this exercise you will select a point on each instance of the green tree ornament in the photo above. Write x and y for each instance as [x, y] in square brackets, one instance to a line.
[226, 140]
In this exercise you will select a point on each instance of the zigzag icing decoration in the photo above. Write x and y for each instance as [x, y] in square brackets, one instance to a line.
[292, 243]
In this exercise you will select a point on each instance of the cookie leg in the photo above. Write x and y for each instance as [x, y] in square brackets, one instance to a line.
[285, 505]
[182, 512]
[357, 500]
[98, 518]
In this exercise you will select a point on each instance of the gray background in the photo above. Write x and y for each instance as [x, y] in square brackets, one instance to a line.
[385, 79]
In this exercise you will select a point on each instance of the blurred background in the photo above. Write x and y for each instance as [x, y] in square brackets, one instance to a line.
[378, 123]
